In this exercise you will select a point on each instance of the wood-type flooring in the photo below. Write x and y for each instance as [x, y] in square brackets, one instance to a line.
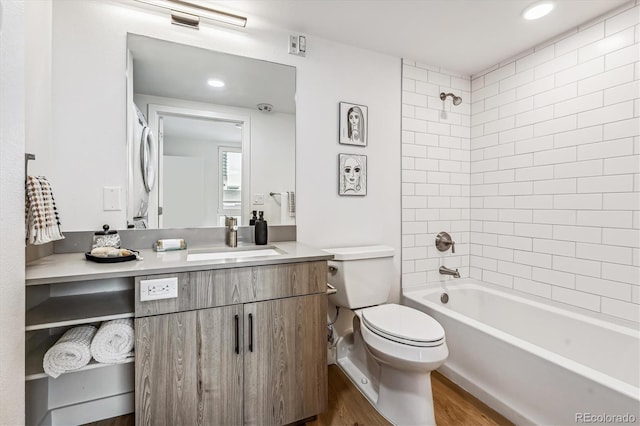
[348, 407]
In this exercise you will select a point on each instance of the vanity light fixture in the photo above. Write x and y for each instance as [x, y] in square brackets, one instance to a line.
[538, 10]
[188, 14]
[215, 83]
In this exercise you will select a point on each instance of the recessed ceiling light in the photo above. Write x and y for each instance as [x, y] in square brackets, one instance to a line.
[538, 10]
[215, 83]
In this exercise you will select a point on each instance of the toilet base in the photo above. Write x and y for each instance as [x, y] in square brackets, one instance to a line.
[405, 397]
[401, 397]
[358, 364]
[366, 386]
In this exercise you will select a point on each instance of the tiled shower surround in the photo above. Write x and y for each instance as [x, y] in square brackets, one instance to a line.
[537, 174]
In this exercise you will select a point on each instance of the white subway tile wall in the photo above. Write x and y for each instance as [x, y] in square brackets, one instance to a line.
[435, 171]
[574, 237]
[539, 183]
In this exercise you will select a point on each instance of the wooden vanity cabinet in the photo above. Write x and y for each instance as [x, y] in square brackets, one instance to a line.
[187, 372]
[285, 364]
[244, 346]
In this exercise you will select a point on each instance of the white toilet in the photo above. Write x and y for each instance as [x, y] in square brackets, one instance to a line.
[393, 348]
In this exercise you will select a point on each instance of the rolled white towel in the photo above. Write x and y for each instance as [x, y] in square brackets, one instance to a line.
[71, 352]
[113, 343]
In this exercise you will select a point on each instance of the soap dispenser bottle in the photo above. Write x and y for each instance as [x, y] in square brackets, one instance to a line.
[261, 230]
[254, 217]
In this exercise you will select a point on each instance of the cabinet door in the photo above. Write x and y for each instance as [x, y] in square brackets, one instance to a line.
[188, 371]
[285, 377]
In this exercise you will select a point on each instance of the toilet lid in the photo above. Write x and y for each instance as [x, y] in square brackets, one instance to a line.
[403, 325]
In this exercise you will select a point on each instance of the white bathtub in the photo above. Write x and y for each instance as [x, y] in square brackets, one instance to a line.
[534, 362]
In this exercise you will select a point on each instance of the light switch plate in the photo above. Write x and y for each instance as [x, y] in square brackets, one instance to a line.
[258, 199]
[293, 45]
[298, 45]
[160, 288]
[111, 198]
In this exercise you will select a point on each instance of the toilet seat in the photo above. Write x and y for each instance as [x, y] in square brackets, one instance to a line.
[404, 325]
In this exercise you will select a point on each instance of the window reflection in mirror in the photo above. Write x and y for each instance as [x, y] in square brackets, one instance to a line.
[230, 187]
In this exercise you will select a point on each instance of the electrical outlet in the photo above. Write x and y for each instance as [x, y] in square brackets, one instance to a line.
[161, 288]
[258, 199]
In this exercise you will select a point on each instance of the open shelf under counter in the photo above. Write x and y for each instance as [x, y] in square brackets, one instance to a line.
[64, 311]
[33, 361]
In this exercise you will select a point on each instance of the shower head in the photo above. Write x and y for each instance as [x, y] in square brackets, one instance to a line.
[457, 100]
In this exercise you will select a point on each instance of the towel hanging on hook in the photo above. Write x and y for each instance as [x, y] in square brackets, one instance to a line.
[42, 220]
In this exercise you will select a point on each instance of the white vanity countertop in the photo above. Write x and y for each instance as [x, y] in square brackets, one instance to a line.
[74, 267]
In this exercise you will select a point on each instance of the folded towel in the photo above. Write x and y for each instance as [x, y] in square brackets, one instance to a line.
[43, 222]
[71, 352]
[113, 343]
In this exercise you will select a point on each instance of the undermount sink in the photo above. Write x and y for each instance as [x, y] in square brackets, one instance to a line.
[229, 253]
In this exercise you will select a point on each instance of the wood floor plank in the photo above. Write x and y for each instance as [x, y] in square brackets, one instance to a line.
[348, 407]
[454, 406]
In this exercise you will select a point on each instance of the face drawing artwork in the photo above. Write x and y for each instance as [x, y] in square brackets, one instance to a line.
[353, 174]
[351, 171]
[353, 124]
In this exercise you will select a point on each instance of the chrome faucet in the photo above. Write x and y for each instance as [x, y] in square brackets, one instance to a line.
[446, 271]
[232, 231]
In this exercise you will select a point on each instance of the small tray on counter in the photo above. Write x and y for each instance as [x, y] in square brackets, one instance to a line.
[112, 259]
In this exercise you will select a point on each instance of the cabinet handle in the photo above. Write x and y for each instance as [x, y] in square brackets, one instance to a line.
[237, 334]
[250, 332]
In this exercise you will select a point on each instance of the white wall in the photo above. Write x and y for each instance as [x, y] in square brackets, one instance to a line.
[38, 54]
[334, 73]
[331, 72]
[12, 104]
[435, 172]
[555, 169]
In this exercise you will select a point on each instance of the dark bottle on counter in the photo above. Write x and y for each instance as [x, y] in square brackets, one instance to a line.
[254, 217]
[261, 230]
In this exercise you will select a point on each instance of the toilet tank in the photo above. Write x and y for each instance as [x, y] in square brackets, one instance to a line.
[362, 275]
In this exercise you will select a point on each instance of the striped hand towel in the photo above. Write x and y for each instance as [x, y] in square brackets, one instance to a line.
[43, 222]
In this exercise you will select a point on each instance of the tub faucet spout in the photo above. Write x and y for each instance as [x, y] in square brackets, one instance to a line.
[446, 271]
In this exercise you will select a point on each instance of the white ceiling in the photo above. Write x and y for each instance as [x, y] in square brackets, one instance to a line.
[465, 36]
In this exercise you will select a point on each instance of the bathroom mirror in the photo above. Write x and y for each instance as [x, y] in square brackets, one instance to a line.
[209, 135]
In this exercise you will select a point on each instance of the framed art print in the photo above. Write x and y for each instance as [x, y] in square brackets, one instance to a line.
[353, 124]
[352, 174]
